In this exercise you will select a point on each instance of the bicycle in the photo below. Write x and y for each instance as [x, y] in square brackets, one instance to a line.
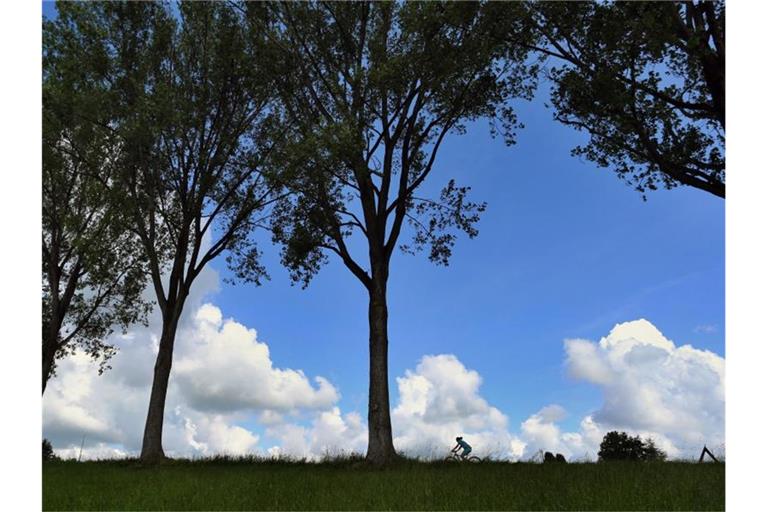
[455, 457]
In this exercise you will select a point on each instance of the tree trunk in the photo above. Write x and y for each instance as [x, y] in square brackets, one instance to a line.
[152, 446]
[49, 355]
[380, 448]
[50, 347]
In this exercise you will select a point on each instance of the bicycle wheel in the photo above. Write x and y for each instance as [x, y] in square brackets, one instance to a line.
[451, 458]
[474, 459]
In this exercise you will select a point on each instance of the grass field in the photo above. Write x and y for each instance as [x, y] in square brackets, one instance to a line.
[348, 485]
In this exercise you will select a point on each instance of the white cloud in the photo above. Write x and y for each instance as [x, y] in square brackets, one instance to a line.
[68, 412]
[203, 416]
[552, 413]
[652, 387]
[540, 432]
[224, 382]
[211, 435]
[227, 369]
[330, 434]
[95, 452]
[334, 434]
[439, 401]
[583, 362]
[293, 441]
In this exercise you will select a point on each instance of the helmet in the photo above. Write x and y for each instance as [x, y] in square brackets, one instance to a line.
[459, 438]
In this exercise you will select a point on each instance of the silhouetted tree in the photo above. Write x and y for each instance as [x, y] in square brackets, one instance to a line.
[645, 80]
[376, 89]
[621, 446]
[92, 267]
[195, 129]
[651, 452]
[48, 453]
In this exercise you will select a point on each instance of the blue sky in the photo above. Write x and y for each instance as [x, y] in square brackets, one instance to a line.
[565, 250]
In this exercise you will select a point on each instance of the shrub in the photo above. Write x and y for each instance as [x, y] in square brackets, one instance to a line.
[653, 452]
[48, 451]
[621, 446]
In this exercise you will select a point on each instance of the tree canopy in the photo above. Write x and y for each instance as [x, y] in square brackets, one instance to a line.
[174, 132]
[193, 119]
[377, 89]
[645, 81]
[621, 446]
[92, 267]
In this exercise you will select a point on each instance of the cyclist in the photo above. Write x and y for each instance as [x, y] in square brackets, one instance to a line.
[461, 443]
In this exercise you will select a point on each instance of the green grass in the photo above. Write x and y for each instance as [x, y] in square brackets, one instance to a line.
[223, 484]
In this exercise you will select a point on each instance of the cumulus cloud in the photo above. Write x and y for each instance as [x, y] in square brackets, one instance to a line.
[94, 452]
[103, 409]
[211, 435]
[331, 433]
[67, 413]
[540, 432]
[650, 387]
[653, 387]
[584, 362]
[440, 400]
[225, 384]
[227, 369]
[204, 416]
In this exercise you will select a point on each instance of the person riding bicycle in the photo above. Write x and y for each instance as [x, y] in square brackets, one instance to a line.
[461, 443]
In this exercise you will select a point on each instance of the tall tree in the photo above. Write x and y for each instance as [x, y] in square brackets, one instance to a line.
[645, 80]
[91, 262]
[376, 90]
[195, 127]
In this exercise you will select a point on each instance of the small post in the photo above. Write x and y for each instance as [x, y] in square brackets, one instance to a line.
[83, 442]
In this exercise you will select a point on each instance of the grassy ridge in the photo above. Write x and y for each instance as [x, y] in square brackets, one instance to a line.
[233, 485]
